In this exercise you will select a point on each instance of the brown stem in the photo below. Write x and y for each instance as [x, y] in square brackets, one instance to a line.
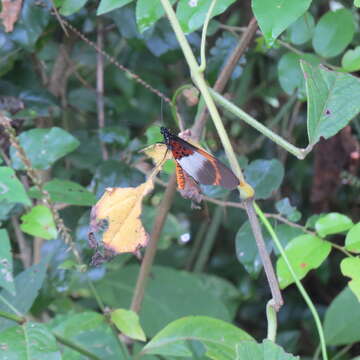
[226, 73]
[288, 222]
[197, 244]
[152, 247]
[100, 85]
[58, 17]
[265, 258]
[37, 245]
[25, 253]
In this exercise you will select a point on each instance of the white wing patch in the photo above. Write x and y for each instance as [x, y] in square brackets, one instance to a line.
[198, 167]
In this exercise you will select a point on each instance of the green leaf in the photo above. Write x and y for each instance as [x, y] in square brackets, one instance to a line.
[39, 102]
[153, 135]
[289, 72]
[219, 338]
[113, 173]
[191, 13]
[177, 294]
[302, 29]
[11, 189]
[250, 350]
[39, 222]
[109, 5]
[286, 233]
[115, 135]
[351, 60]
[6, 264]
[246, 250]
[128, 323]
[333, 223]
[333, 33]
[342, 318]
[173, 227]
[69, 7]
[351, 267]
[148, 12]
[65, 191]
[357, 3]
[274, 16]
[27, 285]
[90, 331]
[29, 341]
[331, 101]
[31, 23]
[265, 176]
[284, 207]
[311, 221]
[44, 147]
[222, 289]
[352, 240]
[305, 252]
[83, 98]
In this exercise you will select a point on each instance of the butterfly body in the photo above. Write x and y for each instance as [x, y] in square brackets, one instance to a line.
[201, 166]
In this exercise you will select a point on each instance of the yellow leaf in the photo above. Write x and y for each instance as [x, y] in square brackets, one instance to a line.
[121, 208]
[159, 153]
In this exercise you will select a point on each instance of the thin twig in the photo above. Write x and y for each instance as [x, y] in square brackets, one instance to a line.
[25, 253]
[301, 289]
[209, 240]
[196, 244]
[305, 230]
[100, 85]
[12, 317]
[74, 346]
[113, 61]
[203, 36]
[151, 249]
[269, 270]
[343, 351]
[226, 73]
[58, 17]
[288, 222]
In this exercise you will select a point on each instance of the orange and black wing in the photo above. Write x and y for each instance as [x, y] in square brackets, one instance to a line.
[200, 165]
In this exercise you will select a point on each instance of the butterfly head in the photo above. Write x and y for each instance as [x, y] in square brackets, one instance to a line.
[166, 134]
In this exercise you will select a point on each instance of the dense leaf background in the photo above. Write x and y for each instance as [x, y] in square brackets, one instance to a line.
[206, 294]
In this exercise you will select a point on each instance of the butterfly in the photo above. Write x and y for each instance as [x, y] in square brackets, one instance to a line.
[204, 168]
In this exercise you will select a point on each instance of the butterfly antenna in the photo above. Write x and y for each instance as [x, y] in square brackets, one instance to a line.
[162, 111]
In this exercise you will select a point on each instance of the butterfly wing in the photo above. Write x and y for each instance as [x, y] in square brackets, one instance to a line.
[201, 166]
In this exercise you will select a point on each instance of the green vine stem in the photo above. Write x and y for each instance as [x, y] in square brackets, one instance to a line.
[271, 320]
[245, 189]
[203, 37]
[301, 289]
[209, 240]
[298, 152]
[11, 307]
[19, 319]
[174, 110]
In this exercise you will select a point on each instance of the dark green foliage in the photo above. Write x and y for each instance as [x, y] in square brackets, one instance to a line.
[206, 293]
